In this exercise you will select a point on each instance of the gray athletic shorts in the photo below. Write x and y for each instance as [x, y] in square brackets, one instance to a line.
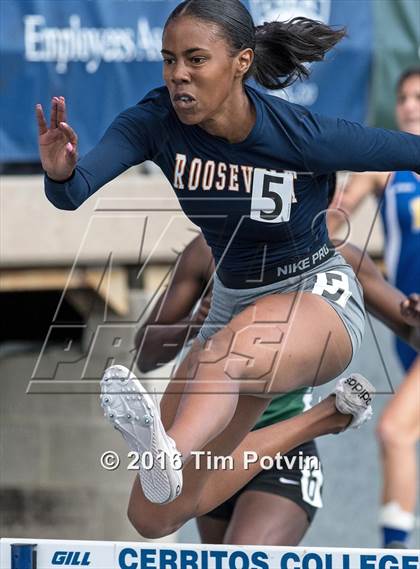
[334, 280]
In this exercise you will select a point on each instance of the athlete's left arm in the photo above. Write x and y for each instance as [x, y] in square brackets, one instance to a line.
[331, 145]
[384, 301]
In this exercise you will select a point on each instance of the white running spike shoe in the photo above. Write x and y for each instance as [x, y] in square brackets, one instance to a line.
[353, 396]
[132, 411]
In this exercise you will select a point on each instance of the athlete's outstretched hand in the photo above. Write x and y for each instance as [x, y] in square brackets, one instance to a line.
[410, 309]
[203, 309]
[58, 142]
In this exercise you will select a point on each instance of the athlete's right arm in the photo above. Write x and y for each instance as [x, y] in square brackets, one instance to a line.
[170, 323]
[383, 300]
[69, 183]
[336, 145]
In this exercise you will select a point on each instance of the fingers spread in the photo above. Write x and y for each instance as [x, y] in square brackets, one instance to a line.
[410, 308]
[42, 123]
[206, 302]
[404, 305]
[54, 111]
[414, 305]
[61, 110]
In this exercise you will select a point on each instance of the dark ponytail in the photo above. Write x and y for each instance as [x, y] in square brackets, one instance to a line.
[281, 48]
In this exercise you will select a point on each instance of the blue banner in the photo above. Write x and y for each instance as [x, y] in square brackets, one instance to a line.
[338, 86]
[103, 56]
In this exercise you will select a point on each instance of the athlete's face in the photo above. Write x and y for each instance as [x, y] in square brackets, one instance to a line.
[408, 105]
[199, 70]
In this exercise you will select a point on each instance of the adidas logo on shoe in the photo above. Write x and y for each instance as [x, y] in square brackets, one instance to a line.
[353, 396]
[359, 389]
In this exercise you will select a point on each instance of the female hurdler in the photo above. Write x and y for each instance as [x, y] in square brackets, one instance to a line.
[252, 171]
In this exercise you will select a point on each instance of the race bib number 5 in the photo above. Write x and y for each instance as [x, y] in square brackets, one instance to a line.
[333, 285]
[272, 196]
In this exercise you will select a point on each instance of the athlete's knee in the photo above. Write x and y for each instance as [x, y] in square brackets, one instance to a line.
[392, 432]
[156, 526]
[151, 527]
[386, 431]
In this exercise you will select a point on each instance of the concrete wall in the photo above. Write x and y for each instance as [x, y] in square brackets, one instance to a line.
[118, 219]
[132, 217]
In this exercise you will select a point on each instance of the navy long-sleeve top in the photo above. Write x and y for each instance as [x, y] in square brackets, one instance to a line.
[259, 201]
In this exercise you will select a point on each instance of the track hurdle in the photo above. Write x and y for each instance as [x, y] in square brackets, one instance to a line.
[54, 554]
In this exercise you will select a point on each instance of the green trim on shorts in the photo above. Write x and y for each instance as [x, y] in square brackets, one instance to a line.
[283, 407]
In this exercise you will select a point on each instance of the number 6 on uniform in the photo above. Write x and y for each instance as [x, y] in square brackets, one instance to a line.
[333, 285]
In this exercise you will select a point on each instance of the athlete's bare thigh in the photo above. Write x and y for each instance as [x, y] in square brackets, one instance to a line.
[280, 343]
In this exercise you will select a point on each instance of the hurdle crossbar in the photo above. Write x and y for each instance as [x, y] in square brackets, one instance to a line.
[53, 554]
